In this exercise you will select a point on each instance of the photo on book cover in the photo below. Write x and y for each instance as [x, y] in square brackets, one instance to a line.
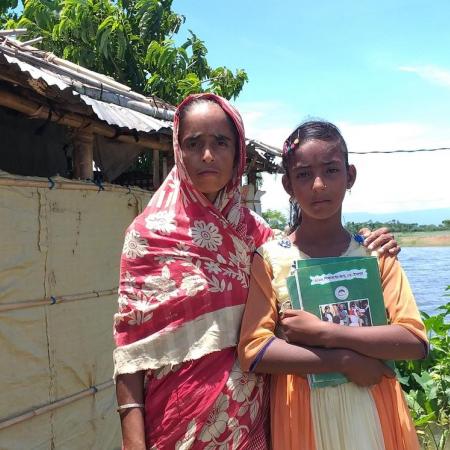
[355, 313]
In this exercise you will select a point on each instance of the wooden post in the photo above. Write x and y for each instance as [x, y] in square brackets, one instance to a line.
[156, 177]
[164, 168]
[83, 155]
[251, 177]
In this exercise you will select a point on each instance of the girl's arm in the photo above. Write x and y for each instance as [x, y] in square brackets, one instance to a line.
[404, 338]
[260, 351]
[130, 389]
[283, 358]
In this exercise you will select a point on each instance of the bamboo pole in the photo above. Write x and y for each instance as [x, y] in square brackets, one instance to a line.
[13, 32]
[55, 405]
[56, 300]
[35, 110]
[83, 155]
[68, 185]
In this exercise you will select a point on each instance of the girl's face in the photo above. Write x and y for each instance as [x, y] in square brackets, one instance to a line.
[318, 178]
[208, 147]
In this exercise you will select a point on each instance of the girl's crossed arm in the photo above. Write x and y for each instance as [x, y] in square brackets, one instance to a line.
[404, 338]
[260, 351]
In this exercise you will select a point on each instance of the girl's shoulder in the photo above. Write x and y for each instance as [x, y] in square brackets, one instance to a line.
[278, 251]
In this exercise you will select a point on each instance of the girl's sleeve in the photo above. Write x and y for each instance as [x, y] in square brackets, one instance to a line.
[399, 299]
[260, 315]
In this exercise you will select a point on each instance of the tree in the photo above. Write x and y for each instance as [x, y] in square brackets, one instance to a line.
[275, 219]
[129, 40]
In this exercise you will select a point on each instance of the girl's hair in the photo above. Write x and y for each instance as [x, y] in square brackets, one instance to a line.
[320, 130]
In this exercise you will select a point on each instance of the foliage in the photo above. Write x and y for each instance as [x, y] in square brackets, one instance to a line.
[7, 9]
[275, 219]
[427, 382]
[396, 226]
[130, 40]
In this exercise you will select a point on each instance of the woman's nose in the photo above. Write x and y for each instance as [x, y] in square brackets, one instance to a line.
[208, 155]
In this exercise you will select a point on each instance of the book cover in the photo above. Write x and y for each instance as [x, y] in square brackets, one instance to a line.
[344, 290]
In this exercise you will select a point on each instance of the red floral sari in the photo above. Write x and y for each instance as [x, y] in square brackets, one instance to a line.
[185, 272]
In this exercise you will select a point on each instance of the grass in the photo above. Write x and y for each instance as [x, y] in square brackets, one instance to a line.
[424, 239]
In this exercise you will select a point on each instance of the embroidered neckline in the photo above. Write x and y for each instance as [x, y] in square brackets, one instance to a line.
[285, 243]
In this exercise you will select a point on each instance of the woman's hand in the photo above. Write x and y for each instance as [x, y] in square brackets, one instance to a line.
[381, 240]
[363, 370]
[303, 328]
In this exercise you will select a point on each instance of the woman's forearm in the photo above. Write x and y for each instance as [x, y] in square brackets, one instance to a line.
[383, 342]
[130, 390]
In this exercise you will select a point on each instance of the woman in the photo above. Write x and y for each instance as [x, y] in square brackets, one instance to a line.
[184, 281]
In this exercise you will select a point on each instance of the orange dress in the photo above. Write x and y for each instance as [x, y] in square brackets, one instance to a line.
[293, 411]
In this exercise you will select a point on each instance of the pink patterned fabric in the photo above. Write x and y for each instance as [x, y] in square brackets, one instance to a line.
[184, 280]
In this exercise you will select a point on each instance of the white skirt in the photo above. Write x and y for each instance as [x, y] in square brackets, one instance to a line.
[345, 418]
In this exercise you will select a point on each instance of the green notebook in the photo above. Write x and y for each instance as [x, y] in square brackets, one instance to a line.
[343, 290]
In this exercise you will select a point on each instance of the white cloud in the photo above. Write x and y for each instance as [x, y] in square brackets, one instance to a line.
[433, 74]
[385, 183]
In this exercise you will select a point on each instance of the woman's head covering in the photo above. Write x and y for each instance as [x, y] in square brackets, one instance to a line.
[233, 186]
[185, 266]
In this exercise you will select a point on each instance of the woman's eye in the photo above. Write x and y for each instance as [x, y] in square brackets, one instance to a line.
[302, 174]
[191, 145]
[221, 142]
[332, 170]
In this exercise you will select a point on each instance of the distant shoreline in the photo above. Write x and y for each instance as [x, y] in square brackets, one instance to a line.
[424, 239]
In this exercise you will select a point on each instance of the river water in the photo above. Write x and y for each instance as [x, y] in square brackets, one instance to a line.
[428, 271]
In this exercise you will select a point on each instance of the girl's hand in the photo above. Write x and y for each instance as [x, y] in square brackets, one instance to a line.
[363, 370]
[381, 240]
[303, 328]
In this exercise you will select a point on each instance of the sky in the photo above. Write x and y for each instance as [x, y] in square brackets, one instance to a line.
[380, 70]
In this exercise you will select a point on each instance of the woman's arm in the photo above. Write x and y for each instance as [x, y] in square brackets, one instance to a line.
[129, 390]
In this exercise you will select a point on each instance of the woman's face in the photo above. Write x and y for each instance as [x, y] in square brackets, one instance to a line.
[208, 147]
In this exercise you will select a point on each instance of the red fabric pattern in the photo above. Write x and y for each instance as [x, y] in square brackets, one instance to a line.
[185, 267]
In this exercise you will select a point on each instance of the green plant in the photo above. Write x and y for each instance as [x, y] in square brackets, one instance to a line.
[129, 40]
[275, 219]
[427, 382]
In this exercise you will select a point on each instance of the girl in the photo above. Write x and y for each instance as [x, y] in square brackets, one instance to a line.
[369, 412]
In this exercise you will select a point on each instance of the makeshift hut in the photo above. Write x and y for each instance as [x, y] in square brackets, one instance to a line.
[68, 139]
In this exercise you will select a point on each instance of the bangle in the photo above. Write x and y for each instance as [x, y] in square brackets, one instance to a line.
[129, 406]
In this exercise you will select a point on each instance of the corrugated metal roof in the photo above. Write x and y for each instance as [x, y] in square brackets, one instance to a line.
[126, 117]
[111, 113]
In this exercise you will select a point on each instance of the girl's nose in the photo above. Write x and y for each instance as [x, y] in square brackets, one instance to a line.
[319, 185]
[208, 156]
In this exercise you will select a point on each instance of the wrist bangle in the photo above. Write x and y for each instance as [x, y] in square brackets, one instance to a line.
[129, 406]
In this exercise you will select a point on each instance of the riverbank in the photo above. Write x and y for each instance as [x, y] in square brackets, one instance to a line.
[424, 239]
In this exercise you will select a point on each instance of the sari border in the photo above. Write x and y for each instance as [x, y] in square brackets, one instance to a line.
[211, 332]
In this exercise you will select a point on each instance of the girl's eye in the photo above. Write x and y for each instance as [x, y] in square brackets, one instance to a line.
[221, 142]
